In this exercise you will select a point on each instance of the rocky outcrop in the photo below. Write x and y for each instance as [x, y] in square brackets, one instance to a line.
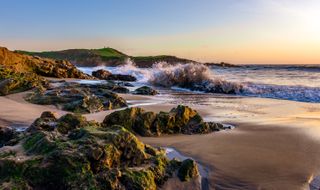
[101, 74]
[106, 75]
[188, 170]
[80, 98]
[41, 66]
[181, 119]
[20, 72]
[7, 136]
[145, 90]
[74, 153]
[12, 81]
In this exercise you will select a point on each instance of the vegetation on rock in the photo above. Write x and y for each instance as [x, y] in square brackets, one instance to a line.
[74, 153]
[181, 119]
[105, 56]
[80, 98]
[145, 90]
[188, 170]
[19, 72]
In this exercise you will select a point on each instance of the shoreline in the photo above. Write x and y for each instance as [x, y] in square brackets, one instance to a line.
[275, 148]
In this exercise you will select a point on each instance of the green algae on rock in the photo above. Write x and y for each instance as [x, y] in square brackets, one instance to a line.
[79, 98]
[181, 119]
[74, 153]
[188, 170]
[145, 90]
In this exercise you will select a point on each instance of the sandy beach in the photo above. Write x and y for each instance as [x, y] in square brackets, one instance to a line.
[275, 144]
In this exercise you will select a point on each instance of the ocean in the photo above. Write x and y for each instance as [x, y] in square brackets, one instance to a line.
[288, 82]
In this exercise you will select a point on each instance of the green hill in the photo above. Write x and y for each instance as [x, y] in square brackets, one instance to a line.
[104, 56]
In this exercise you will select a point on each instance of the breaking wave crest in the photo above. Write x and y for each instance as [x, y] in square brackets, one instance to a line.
[192, 76]
[198, 77]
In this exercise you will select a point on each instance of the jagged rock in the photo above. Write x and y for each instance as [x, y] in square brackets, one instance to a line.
[47, 122]
[79, 98]
[78, 154]
[12, 81]
[45, 67]
[145, 90]
[106, 75]
[122, 77]
[181, 119]
[20, 72]
[7, 136]
[188, 170]
[101, 74]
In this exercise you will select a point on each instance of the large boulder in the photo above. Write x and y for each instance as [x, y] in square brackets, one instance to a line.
[79, 98]
[121, 77]
[19, 72]
[82, 156]
[106, 75]
[145, 90]
[7, 136]
[101, 74]
[181, 119]
[12, 81]
[188, 170]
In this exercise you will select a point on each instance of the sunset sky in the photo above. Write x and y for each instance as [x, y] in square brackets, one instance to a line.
[236, 31]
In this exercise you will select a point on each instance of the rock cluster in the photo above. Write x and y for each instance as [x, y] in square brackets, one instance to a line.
[72, 153]
[181, 119]
[106, 75]
[80, 98]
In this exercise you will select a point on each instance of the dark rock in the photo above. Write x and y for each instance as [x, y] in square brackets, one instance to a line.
[101, 74]
[188, 170]
[106, 75]
[122, 77]
[7, 136]
[120, 89]
[47, 122]
[80, 98]
[145, 90]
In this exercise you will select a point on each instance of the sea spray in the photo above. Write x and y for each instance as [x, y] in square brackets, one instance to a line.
[192, 76]
[198, 77]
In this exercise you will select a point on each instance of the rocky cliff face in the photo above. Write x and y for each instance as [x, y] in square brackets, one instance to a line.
[19, 72]
[41, 66]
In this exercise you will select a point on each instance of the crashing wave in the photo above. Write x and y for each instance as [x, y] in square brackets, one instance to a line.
[192, 76]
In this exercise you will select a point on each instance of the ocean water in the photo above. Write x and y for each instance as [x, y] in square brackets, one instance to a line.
[288, 82]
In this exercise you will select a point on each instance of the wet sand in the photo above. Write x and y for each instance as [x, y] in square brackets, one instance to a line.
[275, 145]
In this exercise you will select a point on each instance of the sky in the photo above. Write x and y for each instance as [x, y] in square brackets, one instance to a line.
[235, 31]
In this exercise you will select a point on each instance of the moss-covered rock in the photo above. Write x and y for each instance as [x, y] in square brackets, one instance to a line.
[70, 122]
[188, 170]
[12, 81]
[145, 90]
[79, 154]
[181, 119]
[79, 98]
[139, 180]
[125, 118]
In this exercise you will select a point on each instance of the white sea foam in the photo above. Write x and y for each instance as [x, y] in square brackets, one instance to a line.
[198, 77]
